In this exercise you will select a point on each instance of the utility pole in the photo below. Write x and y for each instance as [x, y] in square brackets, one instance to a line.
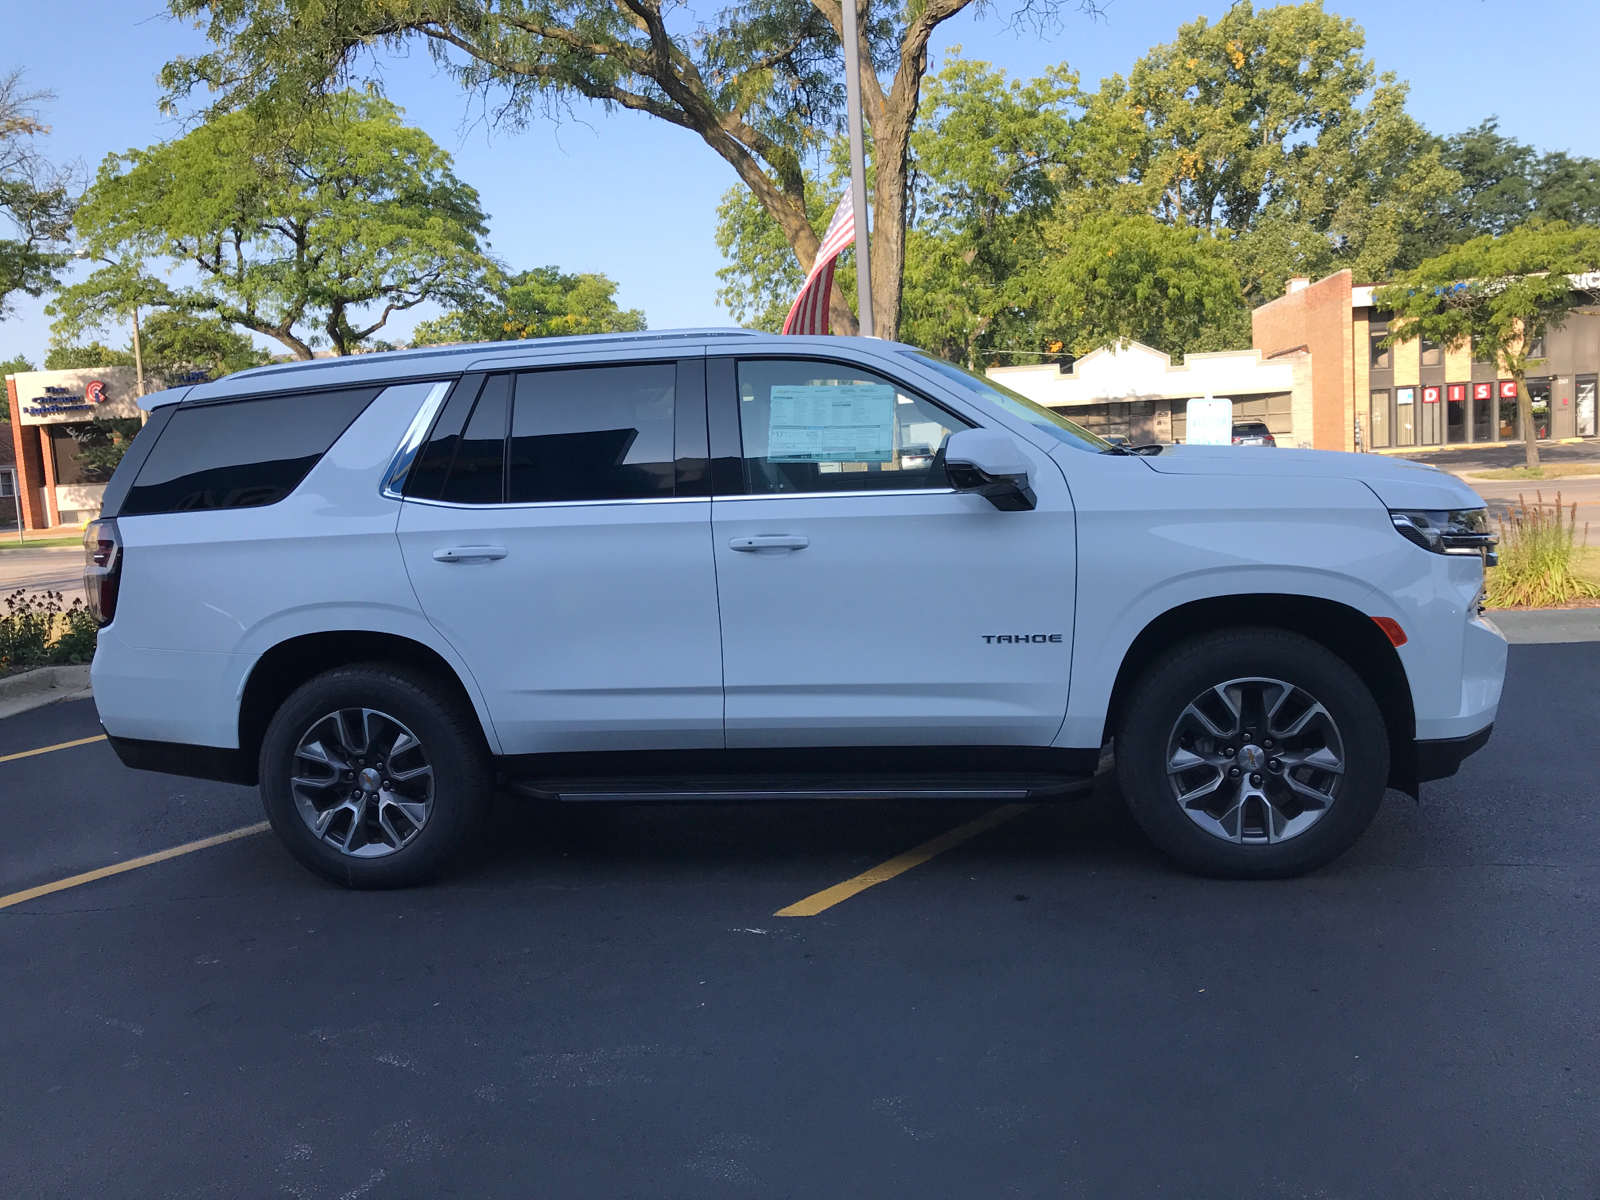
[138, 353]
[858, 166]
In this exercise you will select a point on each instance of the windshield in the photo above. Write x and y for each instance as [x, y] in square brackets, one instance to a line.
[1017, 405]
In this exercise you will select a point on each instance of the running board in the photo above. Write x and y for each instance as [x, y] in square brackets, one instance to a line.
[658, 790]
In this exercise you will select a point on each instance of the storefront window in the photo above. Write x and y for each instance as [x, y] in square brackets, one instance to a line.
[1510, 420]
[1456, 416]
[1539, 401]
[1483, 412]
[1586, 385]
[1405, 421]
[1380, 420]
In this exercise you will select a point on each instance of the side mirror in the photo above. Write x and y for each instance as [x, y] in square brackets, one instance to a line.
[988, 463]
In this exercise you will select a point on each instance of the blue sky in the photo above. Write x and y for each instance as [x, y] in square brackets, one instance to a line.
[636, 198]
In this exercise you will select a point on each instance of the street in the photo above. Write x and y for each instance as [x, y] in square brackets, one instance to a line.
[600, 1002]
[48, 569]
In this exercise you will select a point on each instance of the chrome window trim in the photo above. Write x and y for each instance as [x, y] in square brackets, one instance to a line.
[815, 495]
[456, 504]
[406, 453]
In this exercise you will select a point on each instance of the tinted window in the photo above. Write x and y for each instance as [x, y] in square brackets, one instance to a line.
[241, 454]
[593, 433]
[428, 473]
[823, 427]
[477, 472]
[1018, 405]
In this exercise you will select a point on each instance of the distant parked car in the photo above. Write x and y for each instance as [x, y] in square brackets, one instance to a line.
[1252, 433]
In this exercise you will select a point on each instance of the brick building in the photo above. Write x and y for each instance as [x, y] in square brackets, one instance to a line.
[1416, 393]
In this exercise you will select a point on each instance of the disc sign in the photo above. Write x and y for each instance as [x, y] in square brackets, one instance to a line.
[1210, 423]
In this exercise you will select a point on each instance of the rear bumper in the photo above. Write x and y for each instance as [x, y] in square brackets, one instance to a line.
[1441, 758]
[177, 758]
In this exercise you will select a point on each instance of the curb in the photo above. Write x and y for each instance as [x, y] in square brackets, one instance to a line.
[1546, 626]
[41, 686]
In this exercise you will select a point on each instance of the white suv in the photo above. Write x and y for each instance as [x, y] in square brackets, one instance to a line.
[725, 565]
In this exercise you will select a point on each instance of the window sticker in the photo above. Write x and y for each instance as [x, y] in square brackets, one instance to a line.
[845, 422]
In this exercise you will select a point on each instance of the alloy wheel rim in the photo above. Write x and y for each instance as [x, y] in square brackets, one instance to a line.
[362, 782]
[1255, 761]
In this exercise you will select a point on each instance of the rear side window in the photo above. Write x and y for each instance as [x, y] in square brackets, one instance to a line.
[593, 433]
[242, 453]
[568, 434]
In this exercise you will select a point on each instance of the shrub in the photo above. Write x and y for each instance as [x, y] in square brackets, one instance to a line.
[39, 631]
[1536, 551]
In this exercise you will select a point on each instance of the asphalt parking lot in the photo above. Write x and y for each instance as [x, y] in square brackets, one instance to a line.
[601, 1003]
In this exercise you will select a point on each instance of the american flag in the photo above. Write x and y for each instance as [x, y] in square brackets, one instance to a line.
[809, 312]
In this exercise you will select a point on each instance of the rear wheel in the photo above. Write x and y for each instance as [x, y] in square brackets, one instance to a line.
[373, 775]
[1252, 754]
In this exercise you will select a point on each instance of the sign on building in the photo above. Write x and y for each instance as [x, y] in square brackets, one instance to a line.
[88, 394]
[1210, 423]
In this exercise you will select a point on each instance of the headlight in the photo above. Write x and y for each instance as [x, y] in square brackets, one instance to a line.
[1457, 531]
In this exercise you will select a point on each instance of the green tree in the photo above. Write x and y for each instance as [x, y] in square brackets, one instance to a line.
[1500, 295]
[87, 356]
[35, 197]
[758, 81]
[174, 342]
[1109, 279]
[15, 366]
[316, 231]
[543, 302]
[1272, 133]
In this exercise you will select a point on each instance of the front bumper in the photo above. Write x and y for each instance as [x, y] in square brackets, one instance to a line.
[1441, 758]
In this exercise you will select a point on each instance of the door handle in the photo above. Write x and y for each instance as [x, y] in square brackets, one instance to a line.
[769, 541]
[453, 554]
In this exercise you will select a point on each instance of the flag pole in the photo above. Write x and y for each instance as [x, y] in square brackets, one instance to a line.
[858, 166]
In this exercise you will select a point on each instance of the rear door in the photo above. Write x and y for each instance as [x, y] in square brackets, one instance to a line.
[864, 601]
[557, 529]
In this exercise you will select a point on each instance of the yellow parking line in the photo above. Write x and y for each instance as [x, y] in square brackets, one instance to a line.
[99, 737]
[72, 881]
[901, 863]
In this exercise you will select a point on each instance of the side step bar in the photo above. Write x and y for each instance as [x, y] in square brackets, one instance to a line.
[660, 790]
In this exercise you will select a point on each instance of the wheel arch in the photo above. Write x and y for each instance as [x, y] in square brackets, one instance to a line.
[290, 663]
[1345, 631]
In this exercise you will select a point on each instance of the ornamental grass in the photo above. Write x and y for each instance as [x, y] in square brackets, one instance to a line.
[1538, 543]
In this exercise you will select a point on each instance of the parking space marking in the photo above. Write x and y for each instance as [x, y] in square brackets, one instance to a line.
[99, 737]
[901, 863]
[44, 889]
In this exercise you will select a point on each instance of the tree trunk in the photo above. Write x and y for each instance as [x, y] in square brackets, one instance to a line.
[1530, 442]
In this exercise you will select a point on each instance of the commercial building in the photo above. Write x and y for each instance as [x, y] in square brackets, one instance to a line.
[1138, 393]
[1416, 393]
[52, 484]
[1320, 378]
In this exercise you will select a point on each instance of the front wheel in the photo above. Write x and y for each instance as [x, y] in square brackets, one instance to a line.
[1252, 754]
[373, 775]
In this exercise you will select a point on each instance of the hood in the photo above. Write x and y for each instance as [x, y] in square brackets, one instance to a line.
[1398, 482]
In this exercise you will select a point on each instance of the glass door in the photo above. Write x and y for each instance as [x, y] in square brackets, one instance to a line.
[1380, 420]
[1405, 421]
[1585, 412]
[1456, 416]
[1510, 419]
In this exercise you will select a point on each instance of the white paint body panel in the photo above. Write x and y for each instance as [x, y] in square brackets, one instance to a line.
[597, 630]
[873, 634]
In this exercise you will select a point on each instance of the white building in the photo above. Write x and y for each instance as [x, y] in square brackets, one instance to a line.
[1137, 392]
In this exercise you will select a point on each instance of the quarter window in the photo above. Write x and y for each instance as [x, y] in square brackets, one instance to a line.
[240, 453]
[824, 427]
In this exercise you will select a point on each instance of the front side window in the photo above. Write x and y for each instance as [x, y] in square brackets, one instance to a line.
[813, 426]
[1018, 405]
[241, 453]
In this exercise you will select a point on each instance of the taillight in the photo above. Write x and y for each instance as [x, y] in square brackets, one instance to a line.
[102, 569]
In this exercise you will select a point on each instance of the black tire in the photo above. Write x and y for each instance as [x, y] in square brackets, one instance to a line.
[451, 744]
[1158, 720]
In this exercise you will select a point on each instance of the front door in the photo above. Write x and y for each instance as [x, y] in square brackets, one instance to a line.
[548, 540]
[864, 602]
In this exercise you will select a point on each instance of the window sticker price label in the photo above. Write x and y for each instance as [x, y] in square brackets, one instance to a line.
[846, 422]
